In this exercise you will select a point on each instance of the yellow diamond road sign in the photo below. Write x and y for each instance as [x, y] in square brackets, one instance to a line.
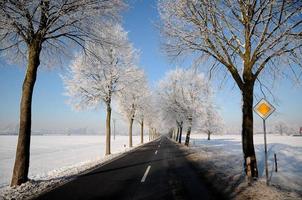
[264, 109]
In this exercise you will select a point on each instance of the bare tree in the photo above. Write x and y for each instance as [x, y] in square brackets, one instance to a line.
[29, 29]
[97, 77]
[247, 39]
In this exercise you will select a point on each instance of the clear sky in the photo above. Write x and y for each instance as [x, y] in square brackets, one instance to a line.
[51, 112]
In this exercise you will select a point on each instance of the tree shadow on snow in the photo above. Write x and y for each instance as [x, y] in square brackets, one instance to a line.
[289, 160]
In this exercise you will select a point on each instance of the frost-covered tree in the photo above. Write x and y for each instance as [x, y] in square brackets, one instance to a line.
[194, 97]
[151, 116]
[168, 94]
[281, 128]
[96, 77]
[130, 97]
[183, 93]
[250, 40]
[143, 109]
[212, 121]
[38, 30]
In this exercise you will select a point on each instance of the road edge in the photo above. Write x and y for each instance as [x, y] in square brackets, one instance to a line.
[106, 162]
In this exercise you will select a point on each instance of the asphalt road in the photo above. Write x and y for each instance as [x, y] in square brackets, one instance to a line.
[156, 170]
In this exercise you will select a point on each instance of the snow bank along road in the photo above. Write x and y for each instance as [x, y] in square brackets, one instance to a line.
[52, 154]
[157, 170]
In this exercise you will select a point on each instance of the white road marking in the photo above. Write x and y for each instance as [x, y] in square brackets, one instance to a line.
[155, 152]
[146, 173]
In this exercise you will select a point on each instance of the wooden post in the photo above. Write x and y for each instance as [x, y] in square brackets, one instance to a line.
[276, 164]
[249, 171]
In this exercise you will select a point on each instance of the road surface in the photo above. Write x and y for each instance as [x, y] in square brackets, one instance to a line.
[156, 170]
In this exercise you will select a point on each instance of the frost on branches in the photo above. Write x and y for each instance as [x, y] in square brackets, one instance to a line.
[144, 108]
[212, 121]
[152, 116]
[97, 76]
[131, 98]
[183, 97]
[36, 31]
[254, 42]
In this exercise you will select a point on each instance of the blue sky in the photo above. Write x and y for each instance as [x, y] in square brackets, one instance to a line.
[51, 112]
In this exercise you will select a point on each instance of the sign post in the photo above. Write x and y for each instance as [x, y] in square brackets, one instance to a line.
[264, 109]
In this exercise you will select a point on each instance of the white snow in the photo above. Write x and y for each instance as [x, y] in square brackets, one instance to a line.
[53, 179]
[57, 159]
[53, 154]
[225, 154]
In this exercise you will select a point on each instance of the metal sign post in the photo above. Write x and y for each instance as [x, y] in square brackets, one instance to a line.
[265, 152]
[264, 109]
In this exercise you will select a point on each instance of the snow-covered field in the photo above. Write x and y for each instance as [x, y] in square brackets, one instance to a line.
[51, 154]
[55, 159]
[225, 151]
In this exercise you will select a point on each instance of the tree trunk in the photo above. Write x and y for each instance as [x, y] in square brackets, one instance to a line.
[247, 130]
[209, 135]
[188, 132]
[142, 131]
[20, 172]
[149, 134]
[177, 134]
[180, 133]
[130, 132]
[108, 129]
